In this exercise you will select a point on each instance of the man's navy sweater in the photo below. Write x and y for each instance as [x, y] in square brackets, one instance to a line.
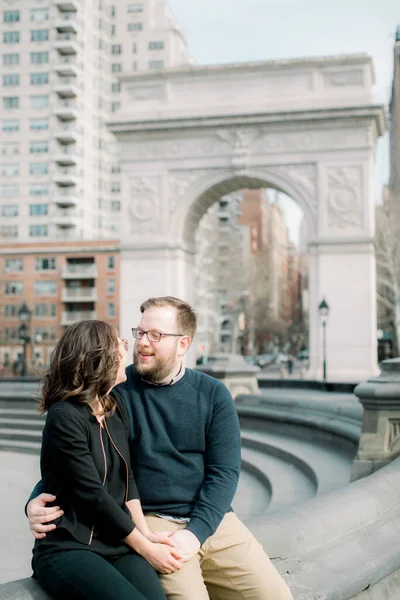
[185, 447]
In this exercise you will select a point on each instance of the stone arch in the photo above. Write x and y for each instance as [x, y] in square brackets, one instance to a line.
[210, 185]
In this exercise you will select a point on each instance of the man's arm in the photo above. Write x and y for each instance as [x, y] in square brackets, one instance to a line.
[39, 514]
[222, 467]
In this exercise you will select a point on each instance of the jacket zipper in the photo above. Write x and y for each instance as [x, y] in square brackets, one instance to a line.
[126, 464]
[105, 474]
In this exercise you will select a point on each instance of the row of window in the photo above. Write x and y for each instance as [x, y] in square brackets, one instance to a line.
[36, 58]
[117, 48]
[42, 309]
[35, 210]
[37, 35]
[11, 231]
[37, 101]
[14, 265]
[44, 287]
[12, 170]
[34, 124]
[35, 79]
[40, 334]
[36, 14]
[34, 148]
[12, 191]
[152, 65]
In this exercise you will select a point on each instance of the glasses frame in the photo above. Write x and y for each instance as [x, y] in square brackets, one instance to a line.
[125, 344]
[136, 330]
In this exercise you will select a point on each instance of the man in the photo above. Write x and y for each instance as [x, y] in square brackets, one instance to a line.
[185, 446]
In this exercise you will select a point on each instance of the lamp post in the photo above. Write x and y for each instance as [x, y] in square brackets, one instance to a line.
[323, 313]
[25, 316]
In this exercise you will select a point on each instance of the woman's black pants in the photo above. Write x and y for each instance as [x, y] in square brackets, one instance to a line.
[84, 575]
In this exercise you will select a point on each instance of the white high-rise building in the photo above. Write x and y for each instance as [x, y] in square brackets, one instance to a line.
[59, 176]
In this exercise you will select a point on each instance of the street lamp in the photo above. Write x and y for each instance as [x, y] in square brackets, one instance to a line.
[323, 313]
[25, 316]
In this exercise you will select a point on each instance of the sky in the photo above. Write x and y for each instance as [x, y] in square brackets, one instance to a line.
[229, 31]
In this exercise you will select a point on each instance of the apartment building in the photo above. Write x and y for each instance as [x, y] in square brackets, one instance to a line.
[394, 132]
[59, 176]
[56, 284]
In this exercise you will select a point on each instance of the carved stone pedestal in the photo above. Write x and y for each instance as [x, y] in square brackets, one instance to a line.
[238, 376]
[380, 435]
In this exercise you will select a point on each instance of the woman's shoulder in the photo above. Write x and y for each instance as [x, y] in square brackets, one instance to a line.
[68, 410]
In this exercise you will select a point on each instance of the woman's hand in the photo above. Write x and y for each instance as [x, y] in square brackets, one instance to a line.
[163, 558]
[160, 537]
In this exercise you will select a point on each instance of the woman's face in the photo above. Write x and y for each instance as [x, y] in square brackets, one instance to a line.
[123, 354]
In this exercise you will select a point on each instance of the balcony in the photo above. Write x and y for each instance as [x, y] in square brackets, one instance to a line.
[66, 157]
[68, 5]
[66, 87]
[79, 271]
[82, 294]
[68, 66]
[65, 199]
[67, 110]
[67, 218]
[67, 134]
[66, 177]
[68, 23]
[69, 317]
[66, 44]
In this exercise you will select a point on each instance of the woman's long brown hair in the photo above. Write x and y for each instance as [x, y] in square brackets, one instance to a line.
[83, 366]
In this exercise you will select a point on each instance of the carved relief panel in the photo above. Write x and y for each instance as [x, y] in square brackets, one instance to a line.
[143, 209]
[343, 200]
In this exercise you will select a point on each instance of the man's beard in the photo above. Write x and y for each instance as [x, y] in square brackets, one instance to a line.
[158, 371]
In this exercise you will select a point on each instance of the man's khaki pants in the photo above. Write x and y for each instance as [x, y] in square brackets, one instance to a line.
[230, 565]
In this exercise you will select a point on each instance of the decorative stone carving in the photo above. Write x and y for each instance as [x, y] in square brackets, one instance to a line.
[180, 181]
[344, 201]
[303, 176]
[143, 209]
[394, 435]
[240, 140]
[340, 78]
[146, 92]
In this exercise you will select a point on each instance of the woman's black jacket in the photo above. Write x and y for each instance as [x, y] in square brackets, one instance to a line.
[74, 469]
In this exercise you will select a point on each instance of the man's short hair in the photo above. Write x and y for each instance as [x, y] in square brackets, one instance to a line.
[186, 317]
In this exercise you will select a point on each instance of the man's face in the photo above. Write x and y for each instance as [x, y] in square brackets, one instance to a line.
[155, 361]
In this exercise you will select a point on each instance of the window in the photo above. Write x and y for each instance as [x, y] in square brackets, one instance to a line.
[134, 47]
[39, 78]
[38, 190]
[38, 147]
[39, 14]
[111, 263]
[38, 231]
[11, 37]
[13, 265]
[135, 8]
[38, 124]
[39, 101]
[112, 30]
[156, 45]
[45, 333]
[115, 205]
[10, 170]
[45, 264]
[45, 288]
[10, 102]
[11, 310]
[9, 210]
[116, 67]
[135, 26]
[39, 58]
[10, 80]
[38, 209]
[45, 310]
[9, 231]
[115, 106]
[9, 191]
[116, 49]
[115, 88]
[115, 187]
[38, 168]
[10, 334]
[10, 125]
[14, 288]
[111, 286]
[11, 16]
[110, 309]
[11, 59]
[39, 35]
[115, 169]
[9, 149]
[134, 66]
[156, 64]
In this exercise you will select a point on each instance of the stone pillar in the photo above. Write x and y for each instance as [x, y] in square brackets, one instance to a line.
[234, 372]
[380, 435]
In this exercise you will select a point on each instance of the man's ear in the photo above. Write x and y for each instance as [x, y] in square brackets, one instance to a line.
[184, 343]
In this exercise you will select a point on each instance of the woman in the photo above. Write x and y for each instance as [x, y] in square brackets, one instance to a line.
[101, 546]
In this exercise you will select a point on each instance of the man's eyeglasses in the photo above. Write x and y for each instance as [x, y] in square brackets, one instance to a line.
[125, 345]
[152, 336]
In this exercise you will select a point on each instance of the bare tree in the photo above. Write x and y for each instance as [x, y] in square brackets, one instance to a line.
[387, 248]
